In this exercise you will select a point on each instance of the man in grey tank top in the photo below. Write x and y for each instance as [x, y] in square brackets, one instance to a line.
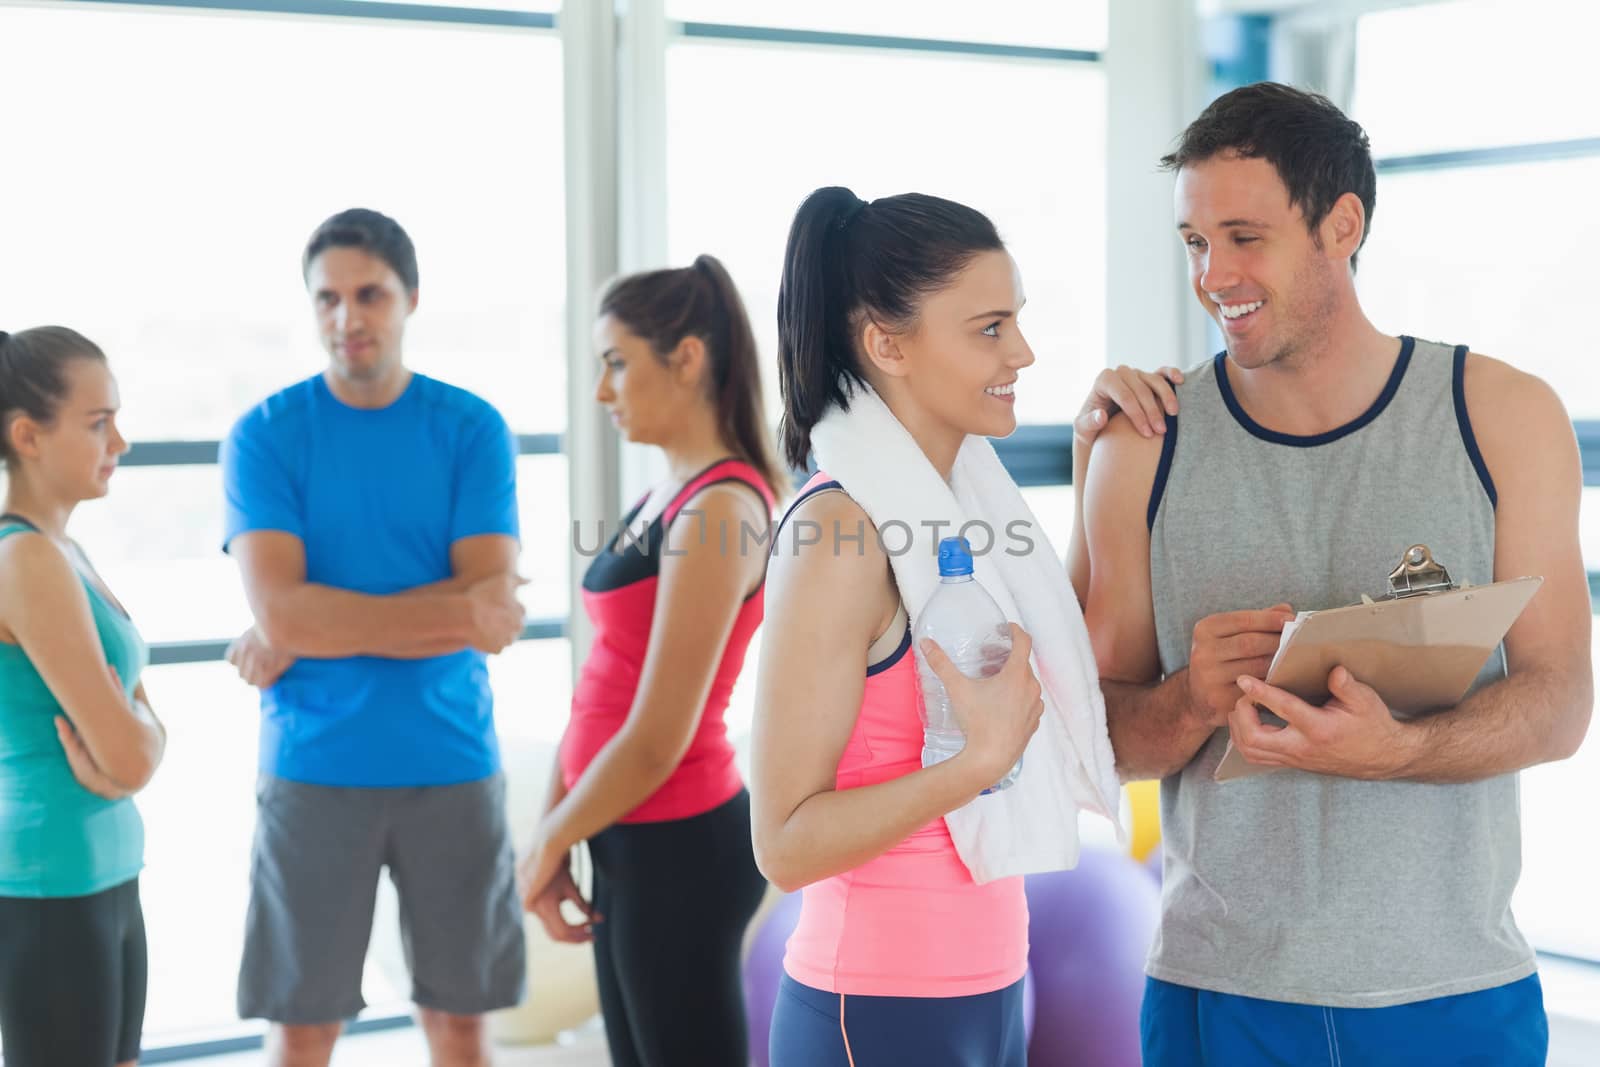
[1354, 906]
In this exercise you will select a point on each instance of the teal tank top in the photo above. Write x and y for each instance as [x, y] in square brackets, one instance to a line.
[57, 839]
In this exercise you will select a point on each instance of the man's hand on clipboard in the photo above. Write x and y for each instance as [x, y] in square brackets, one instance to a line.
[1227, 646]
[1353, 735]
[1407, 656]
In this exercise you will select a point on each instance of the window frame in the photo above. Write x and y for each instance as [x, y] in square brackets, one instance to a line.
[387, 10]
[204, 453]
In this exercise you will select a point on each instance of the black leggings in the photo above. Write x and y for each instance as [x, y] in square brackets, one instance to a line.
[675, 898]
[72, 978]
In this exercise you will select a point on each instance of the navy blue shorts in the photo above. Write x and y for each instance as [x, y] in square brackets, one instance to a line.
[1501, 1027]
[810, 1028]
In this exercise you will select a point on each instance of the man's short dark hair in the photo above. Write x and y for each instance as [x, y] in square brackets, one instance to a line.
[1319, 153]
[371, 231]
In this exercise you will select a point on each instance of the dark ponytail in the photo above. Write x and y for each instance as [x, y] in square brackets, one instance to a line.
[33, 379]
[849, 262]
[665, 306]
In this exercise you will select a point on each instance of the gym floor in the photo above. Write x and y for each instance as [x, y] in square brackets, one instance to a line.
[405, 1048]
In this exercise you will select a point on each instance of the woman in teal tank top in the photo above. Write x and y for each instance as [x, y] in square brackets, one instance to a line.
[77, 738]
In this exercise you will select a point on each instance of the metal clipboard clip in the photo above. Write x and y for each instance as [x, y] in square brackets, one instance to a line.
[1418, 575]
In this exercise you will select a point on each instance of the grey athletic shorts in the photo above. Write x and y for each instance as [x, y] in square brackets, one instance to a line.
[314, 875]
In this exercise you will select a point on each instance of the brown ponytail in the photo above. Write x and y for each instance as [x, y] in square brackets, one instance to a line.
[665, 306]
[33, 379]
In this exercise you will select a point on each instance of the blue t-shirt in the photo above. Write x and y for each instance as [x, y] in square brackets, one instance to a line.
[377, 496]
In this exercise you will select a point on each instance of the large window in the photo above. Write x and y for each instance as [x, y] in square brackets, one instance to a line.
[1496, 255]
[1483, 235]
[162, 183]
[159, 186]
[758, 125]
[1472, 74]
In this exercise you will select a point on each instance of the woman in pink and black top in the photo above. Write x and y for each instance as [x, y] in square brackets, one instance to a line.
[646, 773]
[899, 957]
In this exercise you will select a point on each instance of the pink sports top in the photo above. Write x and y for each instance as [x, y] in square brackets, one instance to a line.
[619, 594]
[910, 923]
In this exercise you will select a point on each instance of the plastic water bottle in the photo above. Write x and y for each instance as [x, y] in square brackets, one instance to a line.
[963, 619]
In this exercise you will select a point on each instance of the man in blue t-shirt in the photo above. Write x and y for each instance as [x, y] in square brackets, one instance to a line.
[373, 514]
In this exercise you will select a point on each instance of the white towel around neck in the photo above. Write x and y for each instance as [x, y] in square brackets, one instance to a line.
[1068, 765]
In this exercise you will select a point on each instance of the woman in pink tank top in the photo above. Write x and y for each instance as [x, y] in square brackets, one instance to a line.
[646, 773]
[899, 956]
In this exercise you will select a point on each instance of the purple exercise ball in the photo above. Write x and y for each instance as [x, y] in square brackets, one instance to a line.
[1030, 1003]
[763, 969]
[1089, 930]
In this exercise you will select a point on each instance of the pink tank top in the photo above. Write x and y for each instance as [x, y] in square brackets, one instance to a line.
[910, 923]
[619, 594]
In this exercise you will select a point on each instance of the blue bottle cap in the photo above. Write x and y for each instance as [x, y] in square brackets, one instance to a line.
[955, 557]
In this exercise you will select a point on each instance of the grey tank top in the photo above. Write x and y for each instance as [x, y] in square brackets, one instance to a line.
[1300, 887]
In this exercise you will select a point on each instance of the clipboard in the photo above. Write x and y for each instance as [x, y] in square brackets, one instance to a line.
[1420, 646]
